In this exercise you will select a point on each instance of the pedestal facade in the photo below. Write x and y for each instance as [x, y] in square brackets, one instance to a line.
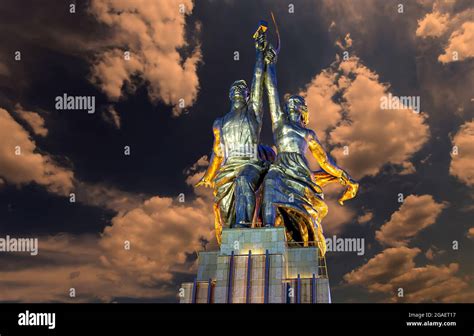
[258, 266]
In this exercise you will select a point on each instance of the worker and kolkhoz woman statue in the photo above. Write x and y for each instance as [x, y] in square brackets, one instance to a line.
[252, 185]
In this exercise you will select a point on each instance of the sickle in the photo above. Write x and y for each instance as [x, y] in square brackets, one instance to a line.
[277, 33]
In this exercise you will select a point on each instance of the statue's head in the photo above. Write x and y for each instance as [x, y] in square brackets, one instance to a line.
[296, 109]
[239, 91]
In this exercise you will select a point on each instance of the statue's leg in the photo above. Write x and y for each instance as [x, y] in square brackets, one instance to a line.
[227, 210]
[245, 185]
[268, 209]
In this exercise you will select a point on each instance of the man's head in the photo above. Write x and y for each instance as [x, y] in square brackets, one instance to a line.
[239, 91]
[296, 109]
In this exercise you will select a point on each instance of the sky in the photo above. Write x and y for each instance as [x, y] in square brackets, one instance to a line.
[110, 194]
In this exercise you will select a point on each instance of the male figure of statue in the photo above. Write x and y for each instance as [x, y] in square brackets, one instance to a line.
[236, 170]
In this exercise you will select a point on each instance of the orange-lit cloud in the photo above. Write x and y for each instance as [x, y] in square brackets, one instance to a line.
[452, 28]
[153, 32]
[160, 233]
[415, 214]
[68, 262]
[111, 116]
[366, 217]
[470, 233]
[432, 25]
[33, 119]
[138, 256]
[394, 272]
[374, 136]
[462, 157]
[461, 43]
[391, 263]
[20, 163]
[394, 269]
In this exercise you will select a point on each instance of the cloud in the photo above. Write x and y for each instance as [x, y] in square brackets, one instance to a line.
[154, 34]
[451, 27]
[111, 116]
[346, 43]
[4, 71]
[433, 252]
[415, 214]
[407, 168]
[429, 254]
[461, 43]
[401, 131]
[470, 233]
[64, 262]
[33, 119]
[29, 166]
[462, 163]
[365, 126]
[433, 284]
[389, 264]
[366, 217]
[107, 196]
[367, 19]
[162, 234]
[432, 25]
[394, 269]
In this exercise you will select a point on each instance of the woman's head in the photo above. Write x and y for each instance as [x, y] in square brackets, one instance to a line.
[296, 109]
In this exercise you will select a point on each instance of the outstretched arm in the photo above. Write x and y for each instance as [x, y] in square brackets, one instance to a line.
[216, 159]
[271, 86]
[331, 172]
[323, 160]
[257, 81]
[322, 178]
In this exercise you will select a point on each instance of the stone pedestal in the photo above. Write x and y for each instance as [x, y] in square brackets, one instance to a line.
[258, 266]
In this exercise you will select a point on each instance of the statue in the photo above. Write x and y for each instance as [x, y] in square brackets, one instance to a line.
[238, 165]
[292, 193]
